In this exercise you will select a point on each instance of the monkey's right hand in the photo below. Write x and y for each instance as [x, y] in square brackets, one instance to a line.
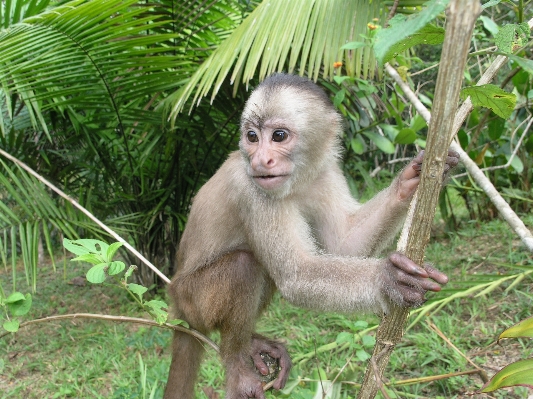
[406, 283]
[275, 350]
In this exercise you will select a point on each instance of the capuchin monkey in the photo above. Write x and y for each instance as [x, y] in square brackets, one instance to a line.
[278, 215]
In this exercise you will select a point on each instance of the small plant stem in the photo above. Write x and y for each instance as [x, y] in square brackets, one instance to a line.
[461, 17]
[482, 372]
[121, 319]
[86, 212]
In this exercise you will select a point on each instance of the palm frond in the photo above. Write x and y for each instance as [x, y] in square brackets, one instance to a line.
[87, 56]
[298, 35]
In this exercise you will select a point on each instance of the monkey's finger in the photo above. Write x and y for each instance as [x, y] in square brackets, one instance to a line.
[402, 262]
[260, 364]
[436, 275]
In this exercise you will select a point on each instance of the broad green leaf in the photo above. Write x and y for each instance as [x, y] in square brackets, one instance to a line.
[516, 163]
[490, 25]
[94, 246]
[15, 297]
[490, 3]
[491, 96]
[429, 34]
[11, 326]
[115, 267]
[519, 373]
[362, 355]
[75, 248]
[157, 311]
[137, 289]
[20, 307]
[368, 340]
[418, 123]
[112, 250]
[405, 136]
[521, 329]
[358, 144]
[344, 337]
[404, 33]
[512, 36]
[96, 274]
[525, 64]
[359, 325]
[383, 143]
[89, 258]
[178, 322]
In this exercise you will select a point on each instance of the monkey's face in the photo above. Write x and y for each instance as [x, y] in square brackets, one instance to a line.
[269, 146]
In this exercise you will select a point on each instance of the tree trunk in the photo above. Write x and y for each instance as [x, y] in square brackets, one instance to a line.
[461, 16]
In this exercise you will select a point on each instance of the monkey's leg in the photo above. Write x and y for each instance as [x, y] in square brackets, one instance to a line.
[228, 295]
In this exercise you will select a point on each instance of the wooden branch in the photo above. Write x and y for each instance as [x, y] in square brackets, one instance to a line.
[461, 17]
[486, 185]
[122, 319]
[87, 213]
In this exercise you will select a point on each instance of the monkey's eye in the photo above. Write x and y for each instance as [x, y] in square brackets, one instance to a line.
[252, 136]
[279, 135]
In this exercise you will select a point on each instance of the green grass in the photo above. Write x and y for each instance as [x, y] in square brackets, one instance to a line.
[93, 359]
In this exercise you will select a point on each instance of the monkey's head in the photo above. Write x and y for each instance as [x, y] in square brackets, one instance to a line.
[289, 134]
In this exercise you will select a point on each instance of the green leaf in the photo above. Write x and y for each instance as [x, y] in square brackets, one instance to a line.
[516, 163]
[90, 258]
[491, 96]
[344, 337]
[15, 297]
[405, 33]
[20, 307]
[75, 248]
[137, 289]
[362, 355]
[130, 271]
[405, 136]
[96, 274]
[354, 45]
[383, 143]
[339, 97]
[521, 329]
[178, 322]
[490, 3]
[525, 64]
[357, 144]
[157, 311]
[512, 36]
[514, 374]
[11, 326]
[490, 25]
[369, 340]
[112, 250]
[115, 267]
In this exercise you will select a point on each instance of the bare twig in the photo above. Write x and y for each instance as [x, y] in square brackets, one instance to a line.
[86, 212]
[121, 319]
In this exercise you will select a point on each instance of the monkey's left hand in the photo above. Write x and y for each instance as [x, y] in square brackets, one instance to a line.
[410, 176]
[276, 350]
[408, 282]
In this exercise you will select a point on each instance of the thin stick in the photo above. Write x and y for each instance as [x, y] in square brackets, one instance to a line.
[86, 212]
[121, 319]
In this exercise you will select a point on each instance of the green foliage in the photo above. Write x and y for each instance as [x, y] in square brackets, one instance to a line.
[100, 254]
[405, 33]
[14, 306]
[511, 37]
[490, 96]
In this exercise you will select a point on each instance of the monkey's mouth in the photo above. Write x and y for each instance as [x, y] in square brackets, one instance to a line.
[270, 182]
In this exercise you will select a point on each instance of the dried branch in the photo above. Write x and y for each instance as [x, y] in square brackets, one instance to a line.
[86, 212]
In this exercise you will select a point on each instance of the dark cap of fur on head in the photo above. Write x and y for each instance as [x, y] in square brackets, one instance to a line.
[277, 81]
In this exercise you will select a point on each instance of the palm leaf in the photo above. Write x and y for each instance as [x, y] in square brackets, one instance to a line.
[299, 35]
